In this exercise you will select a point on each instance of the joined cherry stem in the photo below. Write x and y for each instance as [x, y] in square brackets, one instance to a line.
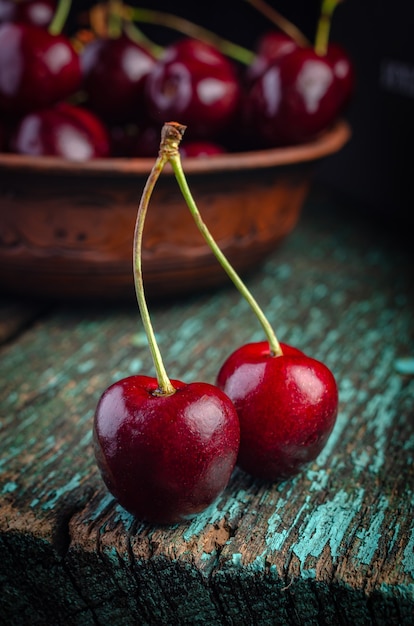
[171, 135]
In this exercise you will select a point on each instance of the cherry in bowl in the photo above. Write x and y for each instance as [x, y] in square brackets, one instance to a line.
[63, 130]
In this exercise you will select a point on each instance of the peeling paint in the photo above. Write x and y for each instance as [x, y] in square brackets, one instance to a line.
[371, 536]
[408, 558]
[73, 483]
[9, 487]
[327, 526]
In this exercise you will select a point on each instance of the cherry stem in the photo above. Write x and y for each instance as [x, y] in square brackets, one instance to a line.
[175, 161]
[281, 22]
[170, 139]
[61, 15]
[114, 18]
[190, 29]
[324, 26]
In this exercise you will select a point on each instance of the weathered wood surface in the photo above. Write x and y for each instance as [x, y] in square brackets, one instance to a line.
[333, 546]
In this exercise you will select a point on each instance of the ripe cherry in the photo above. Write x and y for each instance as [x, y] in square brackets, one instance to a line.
[298, 96]
[64, 130]
[297, 91]
[38, 12]
[195, 83]
[165, 457]
[113, 74]
[37, 69]
[287, 406]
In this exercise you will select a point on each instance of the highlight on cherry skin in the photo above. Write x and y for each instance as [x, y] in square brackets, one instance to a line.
[287, 407]
[165, 457]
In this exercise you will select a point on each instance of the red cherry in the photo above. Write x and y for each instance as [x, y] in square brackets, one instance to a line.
[37, 69]
[287, 406]
[38, 12]
[114, 73]
[297, 97]
[201, 149]
[64, 130]
[271, 46]
[194, 83]
[165, 458]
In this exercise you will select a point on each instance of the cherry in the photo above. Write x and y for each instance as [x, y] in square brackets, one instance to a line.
[298, 96]
[64, 130]
[37, 69]
[287, 406]
[114, 72]
[165, 457]
[297, 90]
[201, 149]
[38, 12]
[193, 82]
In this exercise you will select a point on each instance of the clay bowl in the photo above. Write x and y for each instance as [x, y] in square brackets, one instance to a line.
[66, 229]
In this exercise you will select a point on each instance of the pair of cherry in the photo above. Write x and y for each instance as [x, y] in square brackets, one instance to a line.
[166, 449]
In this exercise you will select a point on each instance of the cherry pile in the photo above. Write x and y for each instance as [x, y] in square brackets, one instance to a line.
[109, 94]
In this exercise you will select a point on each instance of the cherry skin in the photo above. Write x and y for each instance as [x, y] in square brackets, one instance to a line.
[287, 406]
[38, 12]
[64, 130]
[37, 69]
[344, 72]
[298, 96]
[271, 46]
[195, 83]
[201, 149]
[165, 458]
[114, 73]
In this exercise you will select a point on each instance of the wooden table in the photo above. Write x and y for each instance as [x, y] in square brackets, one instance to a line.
[333, 546]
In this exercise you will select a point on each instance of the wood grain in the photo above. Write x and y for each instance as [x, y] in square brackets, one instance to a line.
[333, 546]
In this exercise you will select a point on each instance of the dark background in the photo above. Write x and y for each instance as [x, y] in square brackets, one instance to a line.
[376, 167]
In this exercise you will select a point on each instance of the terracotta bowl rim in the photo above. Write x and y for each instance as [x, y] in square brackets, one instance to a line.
[327, 143]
